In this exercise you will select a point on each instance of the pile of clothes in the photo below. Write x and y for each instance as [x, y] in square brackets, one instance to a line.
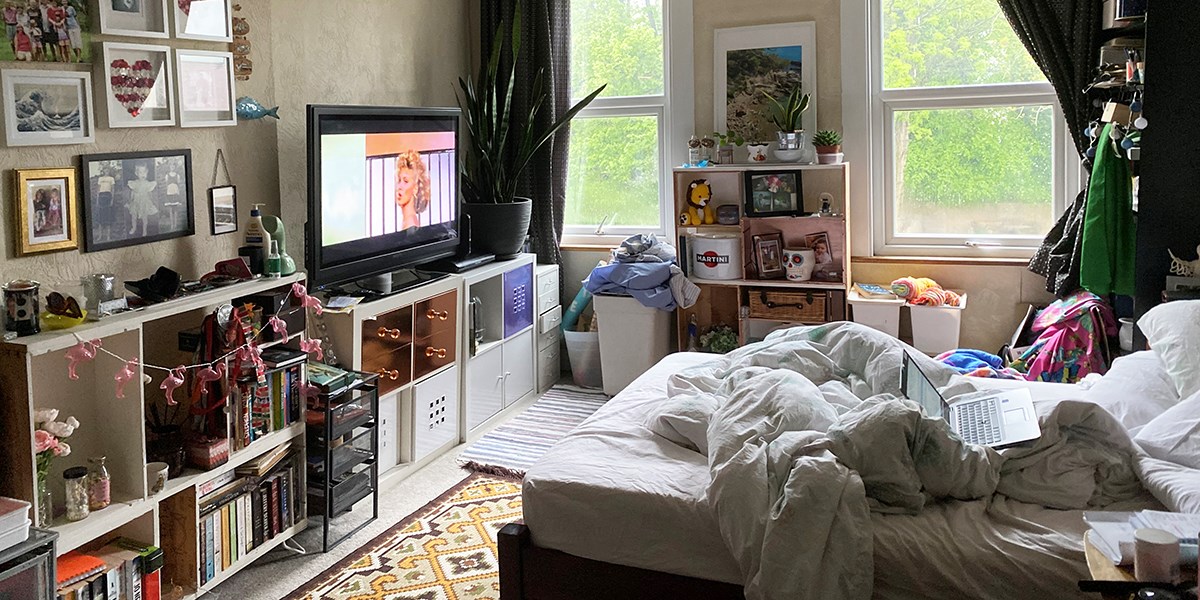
[644, 267]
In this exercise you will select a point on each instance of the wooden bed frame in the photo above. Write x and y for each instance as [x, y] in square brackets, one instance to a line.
[530, 572]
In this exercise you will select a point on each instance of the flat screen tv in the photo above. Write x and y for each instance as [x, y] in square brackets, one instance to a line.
[382, 190]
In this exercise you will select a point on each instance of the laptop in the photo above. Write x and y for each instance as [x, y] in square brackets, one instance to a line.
[999, 419]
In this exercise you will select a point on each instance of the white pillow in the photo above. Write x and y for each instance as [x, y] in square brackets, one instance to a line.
[1135, 390]
[1173, 330]
[1174, 435]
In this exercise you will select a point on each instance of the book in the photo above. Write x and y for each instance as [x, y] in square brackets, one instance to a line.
[264, 499]
[275, 522]
[256, 517]
[210, 553]
[326, 378]
[294, 395]
[278, 357]
[277, 400]
[284, 494]
[873, 291]
[76, 566]
[211, 485]
[260, 466]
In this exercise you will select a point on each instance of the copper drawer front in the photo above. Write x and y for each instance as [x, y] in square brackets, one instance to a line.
[435, 315]
[394, 368]
[433, 352]
[387, 348]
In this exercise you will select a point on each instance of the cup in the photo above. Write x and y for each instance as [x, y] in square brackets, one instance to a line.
[97, 288]
[1155, 556]
[757, 152]
[22, 306]
[800, 263]
[156, 476]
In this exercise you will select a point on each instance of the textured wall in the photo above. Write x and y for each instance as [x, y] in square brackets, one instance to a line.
[249, 149]
[392, 52]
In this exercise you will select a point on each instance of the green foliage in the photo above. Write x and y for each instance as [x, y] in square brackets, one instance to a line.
[719, 339]
[786, 112]
[827, 137]
[502, 144]
[729, 139]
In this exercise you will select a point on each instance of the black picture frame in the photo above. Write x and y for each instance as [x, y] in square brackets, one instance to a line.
[224, 227]
[775, 193]
[106, 218]
[768, 255]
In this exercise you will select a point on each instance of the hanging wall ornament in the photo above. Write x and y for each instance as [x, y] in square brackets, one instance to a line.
[243, 66]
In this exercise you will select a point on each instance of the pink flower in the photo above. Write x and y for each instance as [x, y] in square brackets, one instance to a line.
[62, 449]
[43, 440]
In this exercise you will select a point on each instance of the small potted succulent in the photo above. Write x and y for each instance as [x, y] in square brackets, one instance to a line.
[829, 147]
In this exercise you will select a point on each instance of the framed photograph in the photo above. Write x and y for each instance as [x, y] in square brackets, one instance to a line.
[137, 85]
[136, 198]
[768, 255]
[43, 108]
[222, 209]
[51, 32]
[750, 60]
[203, 20]
[773, 193]
[822, 251]
[46, 205]
[134, 18]
[205, 88]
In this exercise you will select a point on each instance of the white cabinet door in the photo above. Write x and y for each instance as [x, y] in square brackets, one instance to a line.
[519, 367]
[485, 386]
[389, 428]
[435, 413]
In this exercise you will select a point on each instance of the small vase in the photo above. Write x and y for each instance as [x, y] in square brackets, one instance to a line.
[45, 504]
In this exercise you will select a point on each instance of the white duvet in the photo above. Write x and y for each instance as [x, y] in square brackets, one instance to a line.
[805, 438]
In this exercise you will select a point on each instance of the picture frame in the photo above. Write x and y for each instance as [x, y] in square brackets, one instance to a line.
[825, 257]
[763, 56]
[134, 18]
[134, 198]
[129, 102]
[45, 108]
[209, 20]
[773, 193]
[48, 33]
[768, 255]
[47, 217]
[222, 209]
[205, 88]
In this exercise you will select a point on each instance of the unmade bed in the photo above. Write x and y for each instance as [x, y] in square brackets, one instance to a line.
[616, 492]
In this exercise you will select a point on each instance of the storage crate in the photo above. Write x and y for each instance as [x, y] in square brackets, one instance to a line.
[800, 306]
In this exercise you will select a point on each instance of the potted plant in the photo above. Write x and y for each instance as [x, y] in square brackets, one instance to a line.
[725, 144]
[829, 147]
[786, 113]
[502, 145]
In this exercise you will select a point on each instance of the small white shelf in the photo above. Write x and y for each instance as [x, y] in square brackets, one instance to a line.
[72, 535]
[779, 283]
[191, 477]
[769, 166]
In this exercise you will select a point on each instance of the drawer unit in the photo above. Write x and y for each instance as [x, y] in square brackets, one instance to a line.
[548, 339]
[550, 320]
[394, 368]
[547, 287]
[435, 314]
[549, 367]
[435, 413]
[434, 352]
[518, 299]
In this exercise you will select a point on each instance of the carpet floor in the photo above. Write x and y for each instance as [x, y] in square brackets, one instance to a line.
[510, 449]
[445, 551]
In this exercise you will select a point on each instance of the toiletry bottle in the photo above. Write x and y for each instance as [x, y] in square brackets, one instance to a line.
[256, 234]
[274, 261]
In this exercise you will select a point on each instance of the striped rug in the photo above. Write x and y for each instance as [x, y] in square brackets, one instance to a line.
[510, 449]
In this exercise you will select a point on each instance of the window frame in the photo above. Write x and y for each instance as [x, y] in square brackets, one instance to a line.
[673, 120]
[881, 106]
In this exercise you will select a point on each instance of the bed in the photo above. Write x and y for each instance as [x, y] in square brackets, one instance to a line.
[615, 511]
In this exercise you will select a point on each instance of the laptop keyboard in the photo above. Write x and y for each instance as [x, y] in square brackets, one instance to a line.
[979, 422]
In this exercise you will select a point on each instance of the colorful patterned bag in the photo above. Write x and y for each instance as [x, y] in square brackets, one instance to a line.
[1072, 340]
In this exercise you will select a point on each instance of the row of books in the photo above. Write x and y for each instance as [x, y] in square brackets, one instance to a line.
[123, 570]
[260, 408]
[263, 499]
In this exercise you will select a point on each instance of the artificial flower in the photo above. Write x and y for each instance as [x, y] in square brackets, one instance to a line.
[61, 429]
[45, 415]
[62, 449]
[43, 440]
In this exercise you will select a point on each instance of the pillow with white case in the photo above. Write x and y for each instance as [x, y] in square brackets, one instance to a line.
[1173, 330]
[1174, 435]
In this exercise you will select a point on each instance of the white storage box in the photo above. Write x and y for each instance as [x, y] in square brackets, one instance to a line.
[583, 351]
[632, 339]
[13, 512]
[15, 536]
[935, 329]
[716, 256]
[882, 314]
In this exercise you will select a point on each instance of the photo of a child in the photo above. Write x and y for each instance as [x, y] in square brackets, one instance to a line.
[137, 198]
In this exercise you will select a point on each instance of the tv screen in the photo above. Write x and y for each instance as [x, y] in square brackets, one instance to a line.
[383, 189]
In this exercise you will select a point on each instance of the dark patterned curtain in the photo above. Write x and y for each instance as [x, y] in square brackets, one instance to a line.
[1063, 36]
[545, 31]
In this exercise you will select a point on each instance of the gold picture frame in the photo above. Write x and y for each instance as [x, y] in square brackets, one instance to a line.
[47, 210]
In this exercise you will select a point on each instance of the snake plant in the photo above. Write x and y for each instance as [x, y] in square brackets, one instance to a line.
[786, 112]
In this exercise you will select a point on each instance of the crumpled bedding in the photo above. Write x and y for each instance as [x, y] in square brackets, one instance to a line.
[806, 437]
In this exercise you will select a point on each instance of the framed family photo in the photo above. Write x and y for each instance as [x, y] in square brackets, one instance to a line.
[43, 108]
[138, 86]
[134, 18]
[768, 255]
[136, 198]
[46, 211]
[207, 20]
[748, 61]
[222, 209]
[206, 93]
[47, 32]
[773, 193]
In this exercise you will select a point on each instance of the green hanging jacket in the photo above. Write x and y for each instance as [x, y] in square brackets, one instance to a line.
[1109, 230]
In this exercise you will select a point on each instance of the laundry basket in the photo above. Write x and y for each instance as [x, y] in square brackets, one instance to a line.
[583, 350]
[632, 339]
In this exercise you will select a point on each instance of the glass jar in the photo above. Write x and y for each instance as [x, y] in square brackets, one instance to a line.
[76, 481]
[99, 484]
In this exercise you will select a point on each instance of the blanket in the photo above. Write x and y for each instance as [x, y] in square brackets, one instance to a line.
[806, 436]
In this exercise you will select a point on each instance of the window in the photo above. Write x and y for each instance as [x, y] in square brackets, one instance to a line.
[971, 149]
[618, 159]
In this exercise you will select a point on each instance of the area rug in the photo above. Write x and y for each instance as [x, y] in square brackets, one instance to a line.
[511, 448]
[445, 551]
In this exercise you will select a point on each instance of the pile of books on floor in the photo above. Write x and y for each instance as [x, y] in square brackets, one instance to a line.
[248, 507]
[272, 405]
[124, 569]
[1112, 532]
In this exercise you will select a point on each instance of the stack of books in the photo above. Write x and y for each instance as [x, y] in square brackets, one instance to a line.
[125, 569]
[262, 409]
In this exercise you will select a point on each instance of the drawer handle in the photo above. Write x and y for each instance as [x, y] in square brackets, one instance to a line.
[384, 332]
[439, 352]
[392, 375]
[440, 315]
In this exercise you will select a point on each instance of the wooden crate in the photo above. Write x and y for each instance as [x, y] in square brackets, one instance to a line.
[801, 306]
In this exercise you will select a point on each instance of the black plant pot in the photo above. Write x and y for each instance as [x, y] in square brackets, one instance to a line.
[499, 229]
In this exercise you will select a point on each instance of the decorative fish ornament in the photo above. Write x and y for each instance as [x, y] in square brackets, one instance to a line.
[248, 108]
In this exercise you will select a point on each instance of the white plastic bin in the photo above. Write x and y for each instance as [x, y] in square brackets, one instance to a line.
[13, 512]
[583, 351]
[876, 313]
[632, 339]
[15, 536]
[935, 329]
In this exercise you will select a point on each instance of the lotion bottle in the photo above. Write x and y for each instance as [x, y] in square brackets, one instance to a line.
[256, 235]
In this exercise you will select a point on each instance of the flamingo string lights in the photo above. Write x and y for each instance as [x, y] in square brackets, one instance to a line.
[81, 352]
[173, 380]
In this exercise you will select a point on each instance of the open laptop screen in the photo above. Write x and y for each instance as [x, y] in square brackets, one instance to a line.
[918, 388]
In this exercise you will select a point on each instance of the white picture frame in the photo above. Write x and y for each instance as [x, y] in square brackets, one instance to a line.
[49, 122]
[134, 18]
[780, 36]
[207, 20]
[158, 105]
[205, 88]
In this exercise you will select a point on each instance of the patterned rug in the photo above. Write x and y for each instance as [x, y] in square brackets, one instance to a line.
[511, 448]
[445, 551]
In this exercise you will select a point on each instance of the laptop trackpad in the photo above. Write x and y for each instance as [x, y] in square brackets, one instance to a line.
[1014, 416]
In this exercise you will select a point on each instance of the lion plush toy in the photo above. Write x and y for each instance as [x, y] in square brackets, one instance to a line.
[698, 211]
